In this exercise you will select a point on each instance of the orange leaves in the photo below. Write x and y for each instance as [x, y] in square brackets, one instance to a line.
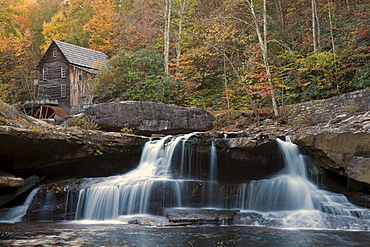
[102, 27]
[139, 25]
[24, 19]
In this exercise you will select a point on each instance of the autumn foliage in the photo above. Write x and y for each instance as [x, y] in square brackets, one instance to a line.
[221, 55]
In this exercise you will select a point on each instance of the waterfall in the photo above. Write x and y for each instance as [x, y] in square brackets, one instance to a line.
[212, 175]
[134, 192]
[172, 173]
[291, 190]
[15, 214]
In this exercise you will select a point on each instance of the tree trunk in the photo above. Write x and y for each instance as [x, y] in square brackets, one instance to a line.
[263, 45]
[166, 38]
[331, 26]
[347, 3]
[281, 13]
[179, 37]
[314, 39]
[332, 41]
[226, 89]
[318, 36]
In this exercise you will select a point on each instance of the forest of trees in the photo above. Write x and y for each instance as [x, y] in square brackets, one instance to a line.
[215, 54]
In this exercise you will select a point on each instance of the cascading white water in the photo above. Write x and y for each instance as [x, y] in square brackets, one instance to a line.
[167, 177]
[213, 163]
[131, 193]
[15, 214]
[290, 200]
[291, 190]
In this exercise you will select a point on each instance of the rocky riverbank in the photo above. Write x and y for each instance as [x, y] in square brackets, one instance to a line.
[31, 148]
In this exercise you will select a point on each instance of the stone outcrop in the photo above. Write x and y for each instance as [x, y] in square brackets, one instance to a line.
[146, 118]
[320, 111]
[10, 182]
[11, 192]
[340, 146]
[334, 144]
[67, 153]
[358, 169]
[334, 151]
[341, 149]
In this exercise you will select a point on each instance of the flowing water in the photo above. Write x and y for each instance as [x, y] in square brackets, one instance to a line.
[165, 178]
[62, 234]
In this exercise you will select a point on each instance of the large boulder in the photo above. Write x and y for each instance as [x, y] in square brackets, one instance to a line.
[7, 111]
[146, 118]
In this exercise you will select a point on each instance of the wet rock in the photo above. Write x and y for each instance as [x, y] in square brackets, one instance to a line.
[6, 182]
[146, 118]
[359, 169]
[26, 184]
[248, 218]
[147, 220]
[54, 202]
[200, 216]
[241, 156]
[242, 142]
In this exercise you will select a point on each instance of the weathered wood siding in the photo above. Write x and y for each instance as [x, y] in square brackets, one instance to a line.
[51, 86]
[79, 89]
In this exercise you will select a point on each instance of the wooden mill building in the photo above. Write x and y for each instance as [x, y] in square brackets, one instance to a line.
[64, 71]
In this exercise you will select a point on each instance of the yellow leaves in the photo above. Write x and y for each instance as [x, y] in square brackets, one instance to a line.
[5, 90]
[303, 69]
[57, 29]
[17, 65]
[24, 19]
[102, 27]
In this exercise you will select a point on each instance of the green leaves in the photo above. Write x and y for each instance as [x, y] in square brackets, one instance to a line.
[140, 74]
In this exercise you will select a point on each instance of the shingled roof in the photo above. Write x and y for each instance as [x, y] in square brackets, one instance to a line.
[82, 57]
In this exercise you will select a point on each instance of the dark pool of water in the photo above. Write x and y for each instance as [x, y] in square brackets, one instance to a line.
[69, 234]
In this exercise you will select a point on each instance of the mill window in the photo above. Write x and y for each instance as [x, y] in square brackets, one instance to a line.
[45, 74]
[80, 77]
[63, 72]
[54, 53]
[63, 90]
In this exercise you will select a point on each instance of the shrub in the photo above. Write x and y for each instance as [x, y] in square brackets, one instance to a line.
[86, 123]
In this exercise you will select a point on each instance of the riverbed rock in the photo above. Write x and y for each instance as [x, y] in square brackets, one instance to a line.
[146, 118]
[200, 216]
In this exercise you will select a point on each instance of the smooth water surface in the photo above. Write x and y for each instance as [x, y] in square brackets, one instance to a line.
[69, 234]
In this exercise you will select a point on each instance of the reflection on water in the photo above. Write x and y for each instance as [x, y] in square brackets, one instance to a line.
[69, 234]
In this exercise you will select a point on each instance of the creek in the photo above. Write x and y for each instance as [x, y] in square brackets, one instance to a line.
[188, 207]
